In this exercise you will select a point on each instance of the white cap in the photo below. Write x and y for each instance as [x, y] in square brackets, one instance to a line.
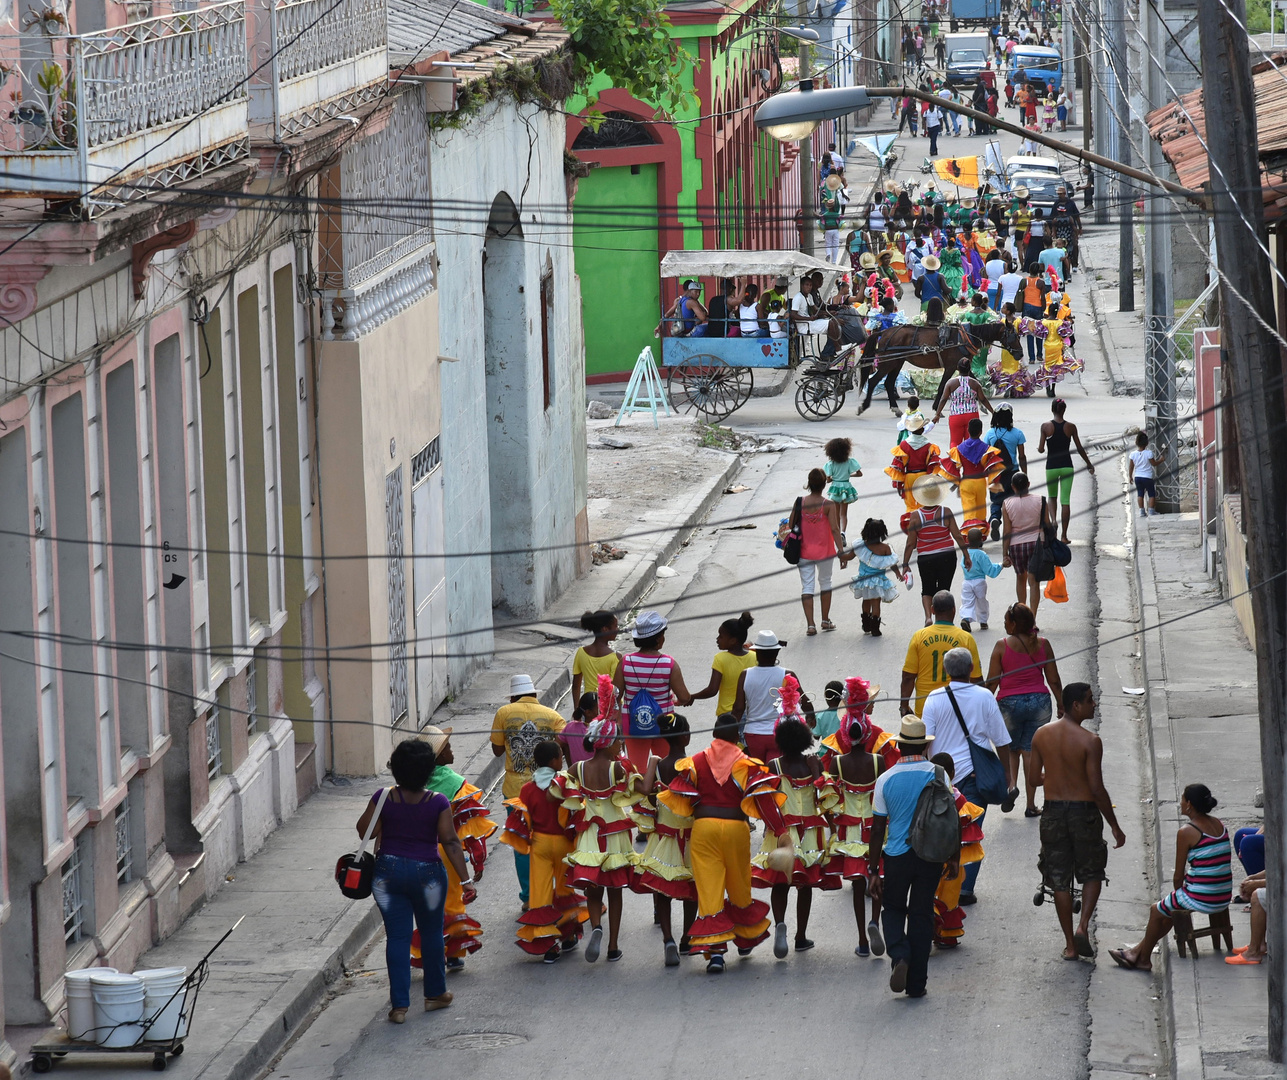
[521, 685]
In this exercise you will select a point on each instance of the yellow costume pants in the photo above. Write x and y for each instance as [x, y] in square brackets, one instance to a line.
[974, 500]
[554, 910]
[721, 854]
[909, 500]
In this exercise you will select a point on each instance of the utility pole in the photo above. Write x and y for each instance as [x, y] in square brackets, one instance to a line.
[806, 149]
[1255, 371]
[1159, 357]
[1069, 61]
[1081, 41]
[1105, 144]
[1115, 27]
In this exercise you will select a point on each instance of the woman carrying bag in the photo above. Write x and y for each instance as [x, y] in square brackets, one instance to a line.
[410, 883]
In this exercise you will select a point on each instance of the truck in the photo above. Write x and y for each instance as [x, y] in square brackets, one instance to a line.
[1041, 66]
[964, 12]
[967, 54]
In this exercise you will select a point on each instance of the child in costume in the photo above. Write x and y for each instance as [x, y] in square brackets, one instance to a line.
[601, 796]
[973, 464]
[802, 818]
[949, 919]
[840, 466]
[915, 456]
[665, 867]
[539, 828]
[853, 776]
[719, 787]
[873, 583]
[859, 698]
[461, 934]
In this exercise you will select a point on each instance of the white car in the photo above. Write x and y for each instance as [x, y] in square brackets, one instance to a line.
[1031, 163]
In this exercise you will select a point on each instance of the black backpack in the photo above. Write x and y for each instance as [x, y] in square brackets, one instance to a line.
[935, 833]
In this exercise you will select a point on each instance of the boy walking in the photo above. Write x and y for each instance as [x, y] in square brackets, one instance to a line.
[974, 589]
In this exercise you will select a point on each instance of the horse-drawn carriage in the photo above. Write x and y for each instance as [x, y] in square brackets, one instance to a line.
[715, 375]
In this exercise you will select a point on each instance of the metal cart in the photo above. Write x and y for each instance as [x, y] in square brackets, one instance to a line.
[44, 1054]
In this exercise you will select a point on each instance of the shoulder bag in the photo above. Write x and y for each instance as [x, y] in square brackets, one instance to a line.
[989, 774]
[795, 526]
[355, 873]
[1041, 565]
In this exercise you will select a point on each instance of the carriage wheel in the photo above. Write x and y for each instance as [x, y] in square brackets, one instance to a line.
[709, 386]
[818, 397]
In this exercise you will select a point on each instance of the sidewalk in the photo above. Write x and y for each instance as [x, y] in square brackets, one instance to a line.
[300, 935]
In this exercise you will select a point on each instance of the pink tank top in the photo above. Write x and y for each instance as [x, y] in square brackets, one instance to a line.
[816, 541]
[1021, 673]
[651, 673]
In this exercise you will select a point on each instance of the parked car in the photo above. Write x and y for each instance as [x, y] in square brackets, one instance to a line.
[964, 66]
[1042, 187]
[1032, 163]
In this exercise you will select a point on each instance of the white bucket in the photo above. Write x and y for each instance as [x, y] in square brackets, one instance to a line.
[118, 1008]
[163, 1000]
[80, 1001]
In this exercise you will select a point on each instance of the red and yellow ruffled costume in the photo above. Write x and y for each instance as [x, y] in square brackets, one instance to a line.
[851, 822]
[555, 911]
[949, 918]
[973, 465]
[877, 741]
[603, 854]
[723, 776]
[807, 800]
[910, 463]
[666, 866]
[461, 934]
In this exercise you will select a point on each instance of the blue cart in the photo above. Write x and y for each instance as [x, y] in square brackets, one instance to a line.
[714, 376]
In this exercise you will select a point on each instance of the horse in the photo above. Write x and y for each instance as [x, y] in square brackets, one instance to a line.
[928, 347]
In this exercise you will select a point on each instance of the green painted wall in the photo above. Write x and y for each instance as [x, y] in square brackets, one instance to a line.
[616, 259]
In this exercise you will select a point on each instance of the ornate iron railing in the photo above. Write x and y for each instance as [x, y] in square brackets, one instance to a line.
[107, 115]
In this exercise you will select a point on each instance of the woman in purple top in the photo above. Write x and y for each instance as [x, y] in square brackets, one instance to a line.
[410, 881]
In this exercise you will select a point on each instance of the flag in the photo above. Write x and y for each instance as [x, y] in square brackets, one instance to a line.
[963, 172]
[878, 144]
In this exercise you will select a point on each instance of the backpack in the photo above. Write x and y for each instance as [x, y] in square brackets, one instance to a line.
[644, 716]
[935, 833]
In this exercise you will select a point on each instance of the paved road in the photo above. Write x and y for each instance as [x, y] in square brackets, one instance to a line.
[1003, 1005]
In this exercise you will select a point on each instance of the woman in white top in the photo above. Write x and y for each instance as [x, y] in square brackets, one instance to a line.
[756, 703]
[876, 226]
[748, 312]
[1020, 534]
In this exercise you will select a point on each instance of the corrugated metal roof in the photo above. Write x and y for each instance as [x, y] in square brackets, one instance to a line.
[1180, 128]
[423, 27]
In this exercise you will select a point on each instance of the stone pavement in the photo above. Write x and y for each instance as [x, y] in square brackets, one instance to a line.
[1199, 724]
[300, 936]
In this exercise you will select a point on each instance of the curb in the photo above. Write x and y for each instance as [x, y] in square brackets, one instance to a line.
[1179, 995]
[1107, 346]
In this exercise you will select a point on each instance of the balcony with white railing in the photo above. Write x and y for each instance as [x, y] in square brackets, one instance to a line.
[315, 60]
[111, 114]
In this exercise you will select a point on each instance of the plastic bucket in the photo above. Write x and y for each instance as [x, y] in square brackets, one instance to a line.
[80, 1001]
[118, 1008]
[163, 1002]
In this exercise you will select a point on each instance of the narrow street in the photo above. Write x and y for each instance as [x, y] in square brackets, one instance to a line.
[1002, 1005]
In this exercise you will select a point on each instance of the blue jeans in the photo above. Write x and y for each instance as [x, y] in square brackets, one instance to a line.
[1250, 846]
[521, 865]
[970, 789]
[403, 889]
[1023, 714]
[1032, 311]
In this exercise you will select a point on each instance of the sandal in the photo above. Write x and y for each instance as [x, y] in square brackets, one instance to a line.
[827, 624]
[1242, 958]
[1032, 811]
[812, 631]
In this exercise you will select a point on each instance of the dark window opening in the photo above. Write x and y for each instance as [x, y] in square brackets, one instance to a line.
[618, 130]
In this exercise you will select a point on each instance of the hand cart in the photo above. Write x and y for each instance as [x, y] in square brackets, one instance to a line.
[59, 1045]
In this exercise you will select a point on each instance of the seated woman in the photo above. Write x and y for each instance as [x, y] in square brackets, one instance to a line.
[1203, 881]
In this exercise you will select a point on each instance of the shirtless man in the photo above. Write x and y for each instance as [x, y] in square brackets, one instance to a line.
[1066, 759]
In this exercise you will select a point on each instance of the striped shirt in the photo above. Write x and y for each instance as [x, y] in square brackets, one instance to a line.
[1208, 880]
[651, 673]
[933, 536]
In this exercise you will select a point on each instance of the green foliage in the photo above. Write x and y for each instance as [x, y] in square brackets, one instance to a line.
[1258, 17]
[628, 42]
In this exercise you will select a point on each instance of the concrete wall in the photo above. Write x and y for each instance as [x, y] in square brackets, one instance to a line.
[379, 404]
[515, 153]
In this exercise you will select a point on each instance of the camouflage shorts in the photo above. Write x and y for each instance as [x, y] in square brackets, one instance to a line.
[1072, 844]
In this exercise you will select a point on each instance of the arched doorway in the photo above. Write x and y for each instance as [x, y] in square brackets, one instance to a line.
[505, 340]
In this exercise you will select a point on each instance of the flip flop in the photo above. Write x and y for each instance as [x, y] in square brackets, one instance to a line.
[1082, 943]
[1119, 958]
[1242, 958]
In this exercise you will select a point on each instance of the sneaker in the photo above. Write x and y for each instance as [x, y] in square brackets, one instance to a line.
[1143, 512]
[568, 944]
[715, 965]
[455, 963]
[780, 940]
[672, 954]
[685, 947]
[614, 955]
[1012, 797]
[552, 956]
[803, 944]
[983, 626]
[968, 898]
[862, 950]
[397, 1016]
[595, 944]
[965, 625]
[744, 954]
[898, 977]
[440, 1002]
[876, 937]
[996, 529]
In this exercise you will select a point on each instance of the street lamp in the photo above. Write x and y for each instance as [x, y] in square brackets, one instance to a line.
[796, 114]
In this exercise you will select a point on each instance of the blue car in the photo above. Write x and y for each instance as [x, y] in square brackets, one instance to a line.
[1041, 65]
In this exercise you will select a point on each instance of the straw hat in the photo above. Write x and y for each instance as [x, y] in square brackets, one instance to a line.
[834, 183]
[436, 737]
[782, 859]
[893, 187]
[867, 261]
[930, 262]
[914, 421]
[1020, 192]
[912, 731]
[929, 490]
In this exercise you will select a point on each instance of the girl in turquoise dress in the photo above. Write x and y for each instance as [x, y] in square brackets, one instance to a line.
[839, 468]
[873, 583]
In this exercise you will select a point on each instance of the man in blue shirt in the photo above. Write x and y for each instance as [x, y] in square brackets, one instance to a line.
[910, 882]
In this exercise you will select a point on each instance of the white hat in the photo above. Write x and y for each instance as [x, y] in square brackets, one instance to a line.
[521, 686]
[648, 624]
[767, 639]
